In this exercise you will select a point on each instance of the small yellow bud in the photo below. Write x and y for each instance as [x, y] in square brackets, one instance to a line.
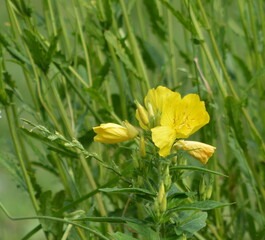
[163, 205]
[142, 116]
[161, 193]
[167, 178]
[142, 147]
[209, 191]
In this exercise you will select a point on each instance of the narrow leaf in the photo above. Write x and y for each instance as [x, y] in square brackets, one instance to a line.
[197, 169]
[140, 191]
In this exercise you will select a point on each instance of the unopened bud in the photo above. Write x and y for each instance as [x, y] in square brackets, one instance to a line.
[163, 204]
[209, 191]
[161, 193]
[140, 181]
[167, 179]
[142, 147]
[142, 116]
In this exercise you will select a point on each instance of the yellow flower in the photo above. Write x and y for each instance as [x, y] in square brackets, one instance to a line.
[154, 103]
[198, 150]
[175, 117]
[114, 133]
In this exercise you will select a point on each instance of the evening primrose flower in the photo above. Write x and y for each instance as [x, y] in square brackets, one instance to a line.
[114, 133]
[154, 101]
[198, 150]
[173, 117]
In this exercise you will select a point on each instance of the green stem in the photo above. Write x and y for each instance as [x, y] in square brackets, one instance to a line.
[172, 55]
[135, 51]
[20, 159]
[214, 68]
[82, 159]
[54, 219]
[63, 27]
[88, 66]
[207, 52]
[120, 82]
[141, 20]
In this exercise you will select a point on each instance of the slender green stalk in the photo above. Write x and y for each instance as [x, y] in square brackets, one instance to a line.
[246, 32]
[262, 21]
[64, 29]
[20, 159]
[141, 20]
[54, 28]
[82, 37]
[96, 233]
[135, 50]
[172, 55]
[207, 53]
[16, 33]
[120, 82]
[82, 159]
[214, 68]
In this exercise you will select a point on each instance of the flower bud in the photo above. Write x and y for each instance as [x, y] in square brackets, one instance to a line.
[209, 191]
[167, 178]
[163, 204]
[161, 193]
[142, 147]
[142, 116]
[114, 133]
[198, 150]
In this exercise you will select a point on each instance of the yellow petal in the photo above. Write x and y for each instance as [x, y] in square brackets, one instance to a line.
[190, 115]
[163, 137]
[198, 150]
[157, 97]
[114, 133]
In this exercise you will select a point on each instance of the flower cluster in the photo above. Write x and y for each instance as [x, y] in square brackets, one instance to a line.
[170, 119]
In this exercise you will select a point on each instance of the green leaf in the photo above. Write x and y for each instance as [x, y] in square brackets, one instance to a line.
[13, 51]
[98, 98]
[240, 156]
[120, 51]
[122, 236]
[234, 113]
[140, 191]
[37, 49]
[179, 15]
[191, 221]
[157, 23]
[22, 7]
[49, 206]
[110, 219]
[201, 206]
[105, 13]
[192, 168]
[151, 55]
[145, 231]
[42, 55]
[9, 162]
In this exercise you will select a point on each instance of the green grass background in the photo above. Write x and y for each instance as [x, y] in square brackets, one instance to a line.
[157, 46]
